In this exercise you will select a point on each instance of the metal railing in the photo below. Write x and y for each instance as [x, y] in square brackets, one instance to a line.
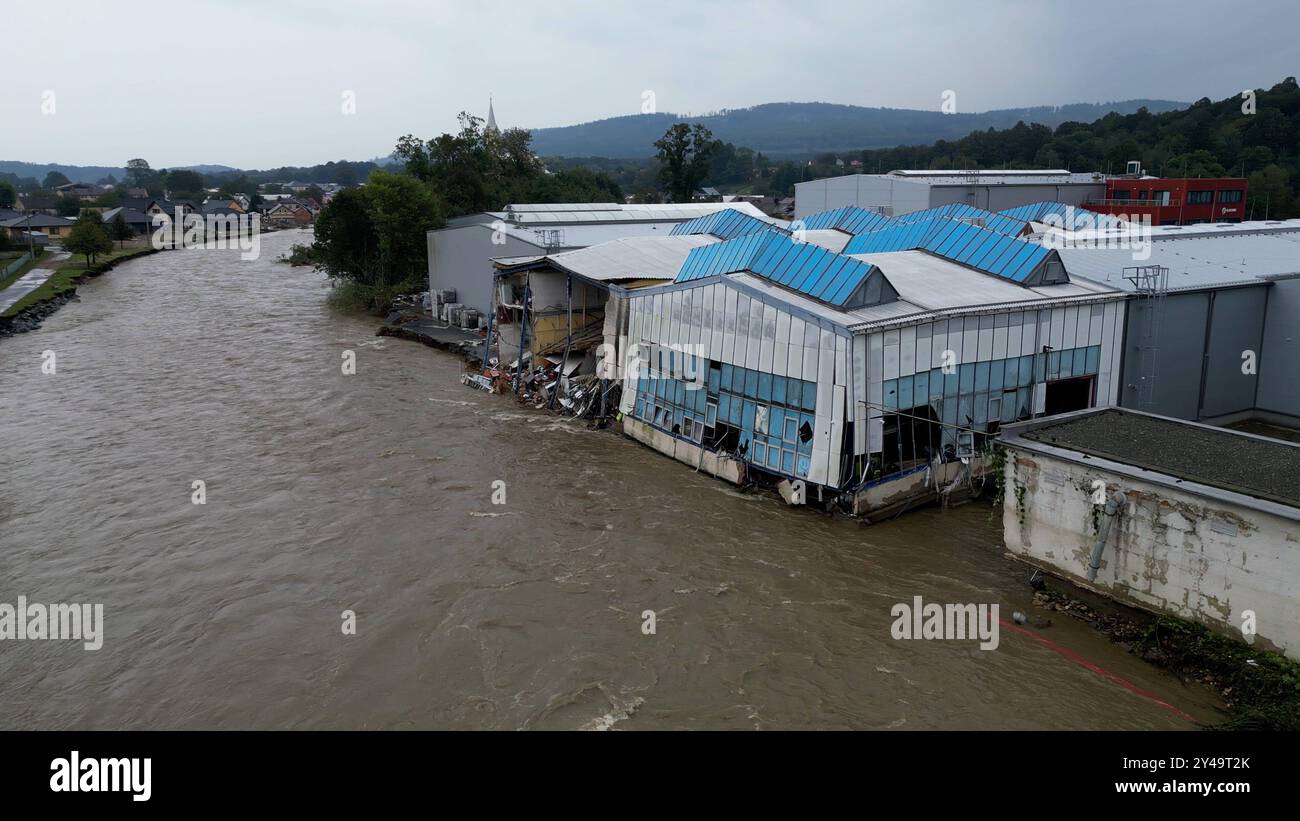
[16, 264]
[1155, 203]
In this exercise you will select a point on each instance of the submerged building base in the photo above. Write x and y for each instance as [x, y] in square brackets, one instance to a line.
[723, 467]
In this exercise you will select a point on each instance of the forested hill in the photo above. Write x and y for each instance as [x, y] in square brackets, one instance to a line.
[809, 128]
[1258, 138]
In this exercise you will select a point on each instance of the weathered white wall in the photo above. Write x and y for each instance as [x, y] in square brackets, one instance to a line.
[1192, 556]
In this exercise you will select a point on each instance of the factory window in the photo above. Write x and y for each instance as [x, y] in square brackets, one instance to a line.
[1230, 196]
[1200, 197]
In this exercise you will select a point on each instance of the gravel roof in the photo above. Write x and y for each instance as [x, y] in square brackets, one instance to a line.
[1263, 468]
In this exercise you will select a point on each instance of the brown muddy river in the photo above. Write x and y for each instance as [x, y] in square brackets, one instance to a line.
[372, 492]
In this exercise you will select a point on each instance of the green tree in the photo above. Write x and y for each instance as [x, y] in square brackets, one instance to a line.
[684, 153]
[1270, 193]
[67, 206]
[88, 237]
[54, 179]
[184, 184]
[8, 194]
[371, 240]
[119, 230]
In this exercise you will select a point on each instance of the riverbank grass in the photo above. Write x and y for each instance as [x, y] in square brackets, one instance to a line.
[73, 270]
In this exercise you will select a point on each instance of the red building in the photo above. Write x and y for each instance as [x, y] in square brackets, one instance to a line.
[1174, 201]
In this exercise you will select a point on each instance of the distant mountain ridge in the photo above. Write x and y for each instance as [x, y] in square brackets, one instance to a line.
[786, 129]
[89, 173]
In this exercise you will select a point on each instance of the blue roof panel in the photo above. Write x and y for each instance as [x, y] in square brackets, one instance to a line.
[803, 267]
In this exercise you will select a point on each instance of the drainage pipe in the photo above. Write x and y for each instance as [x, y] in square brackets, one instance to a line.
[1114, 506]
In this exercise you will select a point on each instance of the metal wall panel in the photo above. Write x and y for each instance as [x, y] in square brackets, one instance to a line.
[1236, 326]
[1182, 340]
[1279, 359]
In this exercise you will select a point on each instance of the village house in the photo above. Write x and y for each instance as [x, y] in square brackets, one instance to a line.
[289, 214]
[81, 190]
[37, 222]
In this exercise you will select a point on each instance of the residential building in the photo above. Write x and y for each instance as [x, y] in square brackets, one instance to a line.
[289, 214]
[81, 190]
[43, 223]
[139, 222]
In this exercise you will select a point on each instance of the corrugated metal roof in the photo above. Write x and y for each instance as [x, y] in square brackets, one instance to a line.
[1194, 263]
[1069, 216]
[632, 257]
[727, 224]
[934, 283]
[1221, 229]
[557, 214]
[997, 254]
[830, 239]
[962, 212]
[850, 218]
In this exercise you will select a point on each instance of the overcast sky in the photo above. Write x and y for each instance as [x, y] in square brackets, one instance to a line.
[262, 83]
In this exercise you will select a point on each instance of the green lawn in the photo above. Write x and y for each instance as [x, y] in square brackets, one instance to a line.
[68, 271]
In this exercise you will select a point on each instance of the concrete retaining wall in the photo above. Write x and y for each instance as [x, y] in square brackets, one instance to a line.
[1183, 553]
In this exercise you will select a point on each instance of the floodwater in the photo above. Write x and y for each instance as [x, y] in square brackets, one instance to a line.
[372, 492]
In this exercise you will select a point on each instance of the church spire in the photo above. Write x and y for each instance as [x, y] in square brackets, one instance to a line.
[492, 118]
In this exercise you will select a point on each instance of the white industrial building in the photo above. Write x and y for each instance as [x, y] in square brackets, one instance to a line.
[869, 359]
[902, 192]
[874, 374]
[461, 254]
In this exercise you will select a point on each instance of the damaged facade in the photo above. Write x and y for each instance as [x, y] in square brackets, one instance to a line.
[864, 360]
[1172, 516]
[872, 376]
